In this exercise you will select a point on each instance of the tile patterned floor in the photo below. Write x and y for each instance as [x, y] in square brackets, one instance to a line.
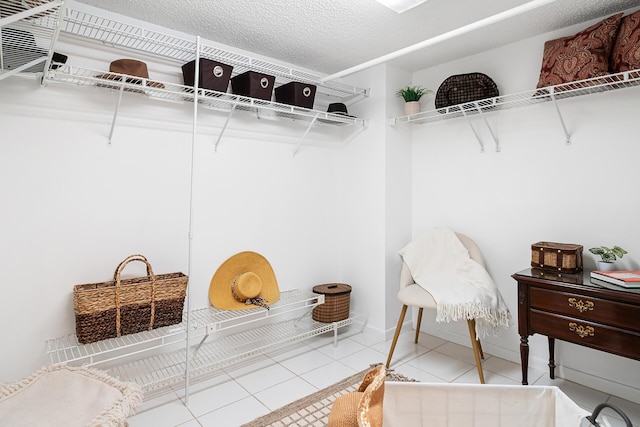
[239, 394]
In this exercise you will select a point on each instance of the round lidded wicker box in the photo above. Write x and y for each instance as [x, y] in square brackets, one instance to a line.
[337, 299]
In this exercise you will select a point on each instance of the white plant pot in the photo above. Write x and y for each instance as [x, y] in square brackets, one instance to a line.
[606, 266]
[411, 107]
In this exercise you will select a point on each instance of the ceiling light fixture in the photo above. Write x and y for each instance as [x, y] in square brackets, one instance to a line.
[400, 6]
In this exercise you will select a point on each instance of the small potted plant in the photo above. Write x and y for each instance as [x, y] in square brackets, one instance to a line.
[411, 96]
[608, 256]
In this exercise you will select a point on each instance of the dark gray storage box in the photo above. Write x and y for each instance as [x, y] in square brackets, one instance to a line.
[296, 93]
[213, 75]
[253, 84]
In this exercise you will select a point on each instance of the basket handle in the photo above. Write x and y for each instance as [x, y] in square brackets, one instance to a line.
[592, 418]
[140, 257]
[117, 279]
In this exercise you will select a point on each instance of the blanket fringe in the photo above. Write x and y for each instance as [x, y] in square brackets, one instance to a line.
[488, 321]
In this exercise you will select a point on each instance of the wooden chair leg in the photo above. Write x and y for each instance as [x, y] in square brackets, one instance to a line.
[480, 348]
[418, 324]
[476, 348]
[397, 334]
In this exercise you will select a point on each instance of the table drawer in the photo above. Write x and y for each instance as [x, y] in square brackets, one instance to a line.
[590, 334]
[586, 307]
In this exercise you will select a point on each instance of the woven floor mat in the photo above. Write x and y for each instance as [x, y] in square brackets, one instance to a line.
[313, 410]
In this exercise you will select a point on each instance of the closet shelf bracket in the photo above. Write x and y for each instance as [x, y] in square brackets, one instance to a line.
[311, 123]
[562, 123]
[115, 113]
[224, 127]
[486, 122]
[356, 132]
[464, 113]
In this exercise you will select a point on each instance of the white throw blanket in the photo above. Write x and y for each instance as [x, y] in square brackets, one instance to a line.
[461, 287]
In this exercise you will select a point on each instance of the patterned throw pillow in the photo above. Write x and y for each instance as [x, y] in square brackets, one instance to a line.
[625, 55]
[581, 56]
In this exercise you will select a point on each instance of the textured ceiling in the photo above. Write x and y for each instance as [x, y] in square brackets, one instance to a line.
[329, 36]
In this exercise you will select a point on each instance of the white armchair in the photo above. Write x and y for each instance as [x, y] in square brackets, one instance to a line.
[414, 295]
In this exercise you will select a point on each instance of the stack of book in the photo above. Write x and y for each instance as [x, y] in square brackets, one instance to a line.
[624, 278]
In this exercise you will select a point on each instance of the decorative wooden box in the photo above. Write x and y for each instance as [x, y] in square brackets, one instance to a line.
[562, 257]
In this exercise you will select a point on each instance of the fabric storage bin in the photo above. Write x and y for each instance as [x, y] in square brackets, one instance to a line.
[412, 404]
[562, 257]
[120, 307]
[337, 300]
[253, 84]
[212, 75]
[296, 93]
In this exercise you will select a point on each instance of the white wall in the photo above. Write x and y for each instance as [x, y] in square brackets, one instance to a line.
[398, 194]
[75, 206]
[536, 189]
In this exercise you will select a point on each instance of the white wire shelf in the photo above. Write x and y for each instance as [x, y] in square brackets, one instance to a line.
[166, 369]
[125, 36]
[223, 337]
[203, 321]
[27, 35]
[522, 99]
[68, 349]
[217, 101]
[210, 319]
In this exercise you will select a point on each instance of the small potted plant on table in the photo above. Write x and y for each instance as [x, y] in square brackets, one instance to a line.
[411, 96]
[607, 256]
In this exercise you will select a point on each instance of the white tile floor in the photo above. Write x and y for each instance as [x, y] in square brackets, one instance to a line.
[239, 394]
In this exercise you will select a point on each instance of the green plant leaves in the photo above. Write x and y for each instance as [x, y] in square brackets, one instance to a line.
[619, 251]
[413, 93]
[608, 254]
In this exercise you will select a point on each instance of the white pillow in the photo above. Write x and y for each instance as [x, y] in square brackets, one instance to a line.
[61, 395]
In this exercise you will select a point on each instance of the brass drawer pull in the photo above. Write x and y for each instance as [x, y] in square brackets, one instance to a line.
[580, 330]
[581, 306]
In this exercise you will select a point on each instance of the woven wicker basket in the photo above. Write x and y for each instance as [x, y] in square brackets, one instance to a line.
[561, 257]
[120, 307]
[337, 299]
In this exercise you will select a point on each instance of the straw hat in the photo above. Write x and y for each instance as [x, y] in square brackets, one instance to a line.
[244, 281]
[362, 408]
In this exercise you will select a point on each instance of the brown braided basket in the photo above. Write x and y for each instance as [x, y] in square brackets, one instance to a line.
[120, 307]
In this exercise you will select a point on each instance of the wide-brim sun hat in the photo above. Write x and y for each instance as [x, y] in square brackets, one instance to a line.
[245, 280]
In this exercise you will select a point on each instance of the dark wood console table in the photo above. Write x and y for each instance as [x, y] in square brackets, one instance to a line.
[571, 308]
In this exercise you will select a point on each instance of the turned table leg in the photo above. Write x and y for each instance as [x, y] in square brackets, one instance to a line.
[552, 362]
[524, 357]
